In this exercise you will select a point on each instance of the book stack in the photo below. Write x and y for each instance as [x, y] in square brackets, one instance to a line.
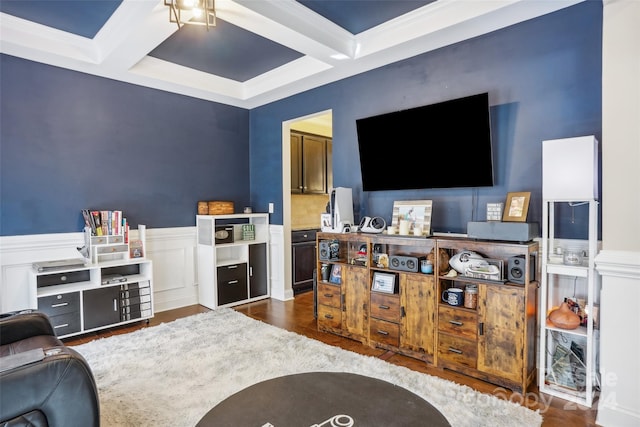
[105, 223]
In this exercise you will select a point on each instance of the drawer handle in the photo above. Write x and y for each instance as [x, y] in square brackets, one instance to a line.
[62, 304]
[383, 332]
[232, 282]
[383, 307]
[328, 295]
[63, 278]
[64, 325]
[455, 322]
[232, 267]
[328, 316]
[455, 350]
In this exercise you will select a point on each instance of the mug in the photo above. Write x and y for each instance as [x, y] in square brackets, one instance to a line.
[453, 296]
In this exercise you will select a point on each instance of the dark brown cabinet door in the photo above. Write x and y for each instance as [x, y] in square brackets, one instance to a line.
[310, 164]
[296, 163]
[314, 165]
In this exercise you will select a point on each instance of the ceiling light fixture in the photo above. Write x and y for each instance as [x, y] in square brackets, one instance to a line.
[203, 12]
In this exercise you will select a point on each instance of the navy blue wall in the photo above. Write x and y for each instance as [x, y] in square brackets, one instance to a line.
[544, 81]
[71, 141]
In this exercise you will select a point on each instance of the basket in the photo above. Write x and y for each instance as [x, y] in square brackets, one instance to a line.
[220, 208]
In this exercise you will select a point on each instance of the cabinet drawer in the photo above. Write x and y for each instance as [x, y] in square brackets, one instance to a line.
[329, 295]
[385, 307]
[384, 332]
[299, 236]
[329, 317]
[112, 249]
[458, 322]
[139, 285]
[232, 283]
[56, 305]
[65, 324]
[457, 350]
[63, 278]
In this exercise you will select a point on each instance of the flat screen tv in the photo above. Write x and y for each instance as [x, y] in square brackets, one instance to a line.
[443, 145]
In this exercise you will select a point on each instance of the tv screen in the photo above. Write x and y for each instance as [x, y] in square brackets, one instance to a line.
[443, 145]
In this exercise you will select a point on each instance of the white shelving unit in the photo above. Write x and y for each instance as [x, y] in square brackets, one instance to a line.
[569, 358]
[233, 259]
[94, 296]
[115, 247]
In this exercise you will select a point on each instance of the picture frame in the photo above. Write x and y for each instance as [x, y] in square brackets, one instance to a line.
[336, 274]
[417, 212]
[516, 207]
[384, 282]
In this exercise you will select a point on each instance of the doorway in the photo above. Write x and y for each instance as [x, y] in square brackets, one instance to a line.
[301, 210]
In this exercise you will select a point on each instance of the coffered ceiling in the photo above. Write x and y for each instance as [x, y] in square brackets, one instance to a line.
[259, 51]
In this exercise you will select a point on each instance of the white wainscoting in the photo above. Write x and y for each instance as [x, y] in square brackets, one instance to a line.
[619, 402]
[172, 251]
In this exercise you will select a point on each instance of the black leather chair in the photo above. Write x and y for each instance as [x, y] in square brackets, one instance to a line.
[43, 383]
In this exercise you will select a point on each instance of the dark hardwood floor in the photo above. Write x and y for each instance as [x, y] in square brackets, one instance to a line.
[297, 316]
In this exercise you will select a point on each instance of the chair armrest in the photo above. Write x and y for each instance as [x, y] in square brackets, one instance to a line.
[61, 386]
[20, 326]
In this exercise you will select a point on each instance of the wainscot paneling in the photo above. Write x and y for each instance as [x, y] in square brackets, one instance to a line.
[619, 402]
[172, 251]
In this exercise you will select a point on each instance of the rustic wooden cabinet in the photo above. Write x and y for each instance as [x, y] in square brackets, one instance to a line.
[493, 339]
[309, 160]
[343, 301]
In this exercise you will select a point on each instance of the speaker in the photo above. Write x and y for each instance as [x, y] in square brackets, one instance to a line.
[324, 250]
[509, 231]
[516, 269]
[405, 263]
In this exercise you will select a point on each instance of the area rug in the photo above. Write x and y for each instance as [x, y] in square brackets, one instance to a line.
[174, 373]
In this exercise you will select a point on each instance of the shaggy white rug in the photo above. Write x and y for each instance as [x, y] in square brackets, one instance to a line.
[174, 373]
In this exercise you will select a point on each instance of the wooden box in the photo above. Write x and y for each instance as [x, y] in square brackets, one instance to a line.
[220, 208]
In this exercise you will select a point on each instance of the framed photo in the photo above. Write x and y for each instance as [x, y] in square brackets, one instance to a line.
[417, 212]
[336, 274]
[517, 206]
[384, 282]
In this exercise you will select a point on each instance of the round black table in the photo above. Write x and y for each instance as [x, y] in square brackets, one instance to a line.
[323, 399]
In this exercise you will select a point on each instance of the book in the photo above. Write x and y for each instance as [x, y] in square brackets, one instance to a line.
[97, 223]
